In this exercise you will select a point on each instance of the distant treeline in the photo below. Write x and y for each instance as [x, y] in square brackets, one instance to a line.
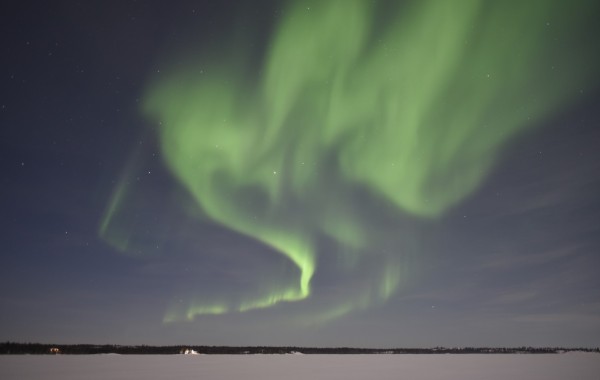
[11, 348]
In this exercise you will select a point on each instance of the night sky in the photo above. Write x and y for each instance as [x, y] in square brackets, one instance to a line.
[310, 173]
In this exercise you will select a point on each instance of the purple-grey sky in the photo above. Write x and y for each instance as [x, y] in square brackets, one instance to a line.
[113, 229]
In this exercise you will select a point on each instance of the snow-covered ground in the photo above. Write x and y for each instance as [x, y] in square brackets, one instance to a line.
[249, 367]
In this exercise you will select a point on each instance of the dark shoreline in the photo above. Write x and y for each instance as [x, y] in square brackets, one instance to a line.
[11, 348]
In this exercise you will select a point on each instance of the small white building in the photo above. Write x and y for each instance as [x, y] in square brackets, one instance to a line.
[188, 351]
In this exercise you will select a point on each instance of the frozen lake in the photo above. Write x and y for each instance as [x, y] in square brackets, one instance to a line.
[414, 367]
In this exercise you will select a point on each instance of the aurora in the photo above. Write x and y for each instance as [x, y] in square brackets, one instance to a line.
[410, 114]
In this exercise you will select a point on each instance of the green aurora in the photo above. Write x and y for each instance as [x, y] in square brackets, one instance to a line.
[413, 111]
